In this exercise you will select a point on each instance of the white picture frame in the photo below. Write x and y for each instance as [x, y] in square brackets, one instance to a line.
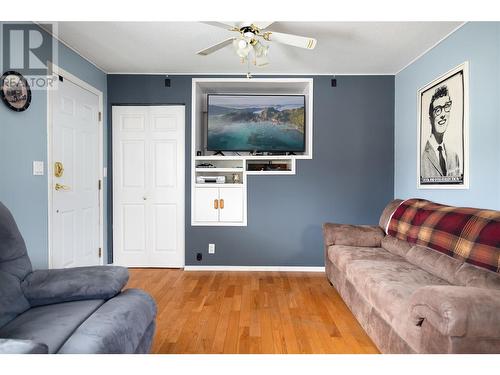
[443, 131]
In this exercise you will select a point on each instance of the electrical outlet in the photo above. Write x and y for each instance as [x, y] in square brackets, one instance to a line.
[211, 248]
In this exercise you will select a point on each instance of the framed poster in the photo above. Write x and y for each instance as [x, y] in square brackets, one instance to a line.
[443, 116]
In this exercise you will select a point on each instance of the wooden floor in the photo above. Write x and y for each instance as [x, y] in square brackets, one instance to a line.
[249, 312]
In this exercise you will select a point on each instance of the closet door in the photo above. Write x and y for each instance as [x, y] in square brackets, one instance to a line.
[148, 186]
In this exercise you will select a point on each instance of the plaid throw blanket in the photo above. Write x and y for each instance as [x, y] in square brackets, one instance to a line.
[469, 234]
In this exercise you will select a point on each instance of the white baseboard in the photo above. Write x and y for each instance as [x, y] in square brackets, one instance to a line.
[255, 268]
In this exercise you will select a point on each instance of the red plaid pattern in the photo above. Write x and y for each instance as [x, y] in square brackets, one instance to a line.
[469, 234]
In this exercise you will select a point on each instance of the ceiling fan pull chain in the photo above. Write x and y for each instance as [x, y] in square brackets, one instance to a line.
[249, 75]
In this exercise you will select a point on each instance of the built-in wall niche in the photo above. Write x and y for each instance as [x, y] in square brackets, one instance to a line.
[229, 171]
[255, 86]
[220, 197]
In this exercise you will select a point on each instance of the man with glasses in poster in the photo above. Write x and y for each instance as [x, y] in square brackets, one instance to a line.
[438, 159]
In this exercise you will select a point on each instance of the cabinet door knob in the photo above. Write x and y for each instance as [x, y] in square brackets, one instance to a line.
[222, 204]
[216, 204]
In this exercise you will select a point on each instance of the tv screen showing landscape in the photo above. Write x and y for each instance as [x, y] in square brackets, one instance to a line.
[271, 123]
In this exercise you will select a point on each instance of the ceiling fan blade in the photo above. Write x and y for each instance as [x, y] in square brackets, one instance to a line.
[215, 47]
[292, 40]
[262, 25]
[223, 25]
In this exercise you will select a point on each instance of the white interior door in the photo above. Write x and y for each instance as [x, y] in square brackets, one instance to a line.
[75, 215]
[148, 186]
[230, 205]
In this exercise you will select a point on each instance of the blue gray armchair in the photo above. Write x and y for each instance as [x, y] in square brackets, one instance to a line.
[74, 310]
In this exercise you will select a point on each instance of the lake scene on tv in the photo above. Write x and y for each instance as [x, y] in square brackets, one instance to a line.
[256, 123]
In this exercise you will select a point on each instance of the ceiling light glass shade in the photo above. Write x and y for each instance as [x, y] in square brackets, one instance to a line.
[242, 44]
[261, 49]
[261, 52]
[261, 60]
[242, 47]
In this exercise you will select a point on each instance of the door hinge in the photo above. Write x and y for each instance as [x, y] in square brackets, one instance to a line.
[100, 116]
[99, 185]
[100, 252]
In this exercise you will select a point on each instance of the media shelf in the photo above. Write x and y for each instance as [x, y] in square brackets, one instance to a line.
[219, 170]
[228, 185]
[270, 166]
[225, 204]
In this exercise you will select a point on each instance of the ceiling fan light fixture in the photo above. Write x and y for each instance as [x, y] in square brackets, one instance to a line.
[248, 44]
[242, 47]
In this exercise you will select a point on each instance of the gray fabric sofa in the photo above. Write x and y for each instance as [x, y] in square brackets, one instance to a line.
[411, 299]
[74, 310]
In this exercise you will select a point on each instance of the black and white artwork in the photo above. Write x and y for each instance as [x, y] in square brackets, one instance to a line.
[443, 131]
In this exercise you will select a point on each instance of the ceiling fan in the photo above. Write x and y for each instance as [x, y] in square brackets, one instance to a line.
[251, 35]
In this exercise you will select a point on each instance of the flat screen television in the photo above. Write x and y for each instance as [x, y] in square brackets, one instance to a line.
[262, 123]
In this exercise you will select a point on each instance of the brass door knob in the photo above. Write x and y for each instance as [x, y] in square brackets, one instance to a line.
[59, 187]
[216, 204]
[221, 204]
[58, 169]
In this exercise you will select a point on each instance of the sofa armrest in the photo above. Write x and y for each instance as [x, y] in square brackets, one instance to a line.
[352, 235]
[43, 287]
[458, 310]
[15, 346]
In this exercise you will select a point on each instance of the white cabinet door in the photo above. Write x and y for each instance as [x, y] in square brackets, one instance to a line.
[206, 204]
[148, 186]
[230, 205]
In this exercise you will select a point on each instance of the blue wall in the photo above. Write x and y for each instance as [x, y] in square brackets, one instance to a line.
[478, 43]
[364, 154]
[349, 180]
[23, 138]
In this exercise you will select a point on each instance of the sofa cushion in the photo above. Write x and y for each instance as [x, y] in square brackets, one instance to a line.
[434, 262]
[12, 301]
[388, 284]
[13, 254]
[341, 255]
[469, 275]
[396, 246]
[51, 324]
[118, 326]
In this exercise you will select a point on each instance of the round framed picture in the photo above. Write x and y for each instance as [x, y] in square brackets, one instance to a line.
[15, 91]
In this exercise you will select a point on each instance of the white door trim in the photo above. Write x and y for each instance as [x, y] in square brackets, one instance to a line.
[56, 70]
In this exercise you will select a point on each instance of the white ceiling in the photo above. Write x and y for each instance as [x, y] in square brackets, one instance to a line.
[170, 47]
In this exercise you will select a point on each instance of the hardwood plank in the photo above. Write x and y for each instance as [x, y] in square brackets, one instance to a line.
[249, 312]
